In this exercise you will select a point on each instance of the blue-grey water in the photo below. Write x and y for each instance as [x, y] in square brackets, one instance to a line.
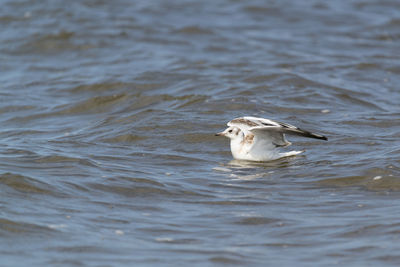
[108, 111]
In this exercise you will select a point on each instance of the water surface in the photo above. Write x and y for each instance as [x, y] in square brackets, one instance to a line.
[108, 112]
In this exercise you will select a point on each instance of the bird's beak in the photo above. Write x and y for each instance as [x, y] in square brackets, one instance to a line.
[220, 134]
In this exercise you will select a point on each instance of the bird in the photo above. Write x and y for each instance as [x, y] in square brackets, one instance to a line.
[259, 139]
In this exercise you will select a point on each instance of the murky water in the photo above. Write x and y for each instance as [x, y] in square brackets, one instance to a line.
[108, 111]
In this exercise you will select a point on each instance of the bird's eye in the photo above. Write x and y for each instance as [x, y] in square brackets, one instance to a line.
[230, 131]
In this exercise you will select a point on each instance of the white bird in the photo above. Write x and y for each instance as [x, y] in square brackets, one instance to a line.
[259, 139]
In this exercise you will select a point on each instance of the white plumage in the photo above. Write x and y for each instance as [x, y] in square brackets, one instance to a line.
[259, 139]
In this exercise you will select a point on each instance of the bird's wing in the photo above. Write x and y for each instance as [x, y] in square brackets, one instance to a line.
[265, 131]
[271, 127]
[247, 123]
[270, 136]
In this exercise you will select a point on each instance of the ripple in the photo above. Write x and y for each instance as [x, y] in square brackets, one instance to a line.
[194, 30]
[102, 87]
[94, 105]
[141, 187]
[125, 138]
[257, 221]
[26, 184]
[375, 180]
[53, 43]
[9, 226]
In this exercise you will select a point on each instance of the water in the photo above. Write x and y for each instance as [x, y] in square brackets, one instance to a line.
[108, 113]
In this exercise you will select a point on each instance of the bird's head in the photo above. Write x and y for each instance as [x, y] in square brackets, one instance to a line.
[232, 132]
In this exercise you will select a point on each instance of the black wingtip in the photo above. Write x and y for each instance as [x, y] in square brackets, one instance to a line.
[318, 136]
[314, 135]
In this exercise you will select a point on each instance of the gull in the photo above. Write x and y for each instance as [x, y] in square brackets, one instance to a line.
[259, 139]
